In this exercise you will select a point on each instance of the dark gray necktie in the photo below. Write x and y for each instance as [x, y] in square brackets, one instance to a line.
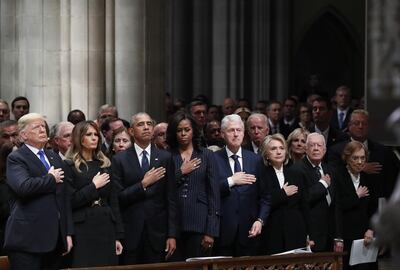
[145, 162]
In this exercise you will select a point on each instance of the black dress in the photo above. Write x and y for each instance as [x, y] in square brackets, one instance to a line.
[97, 222]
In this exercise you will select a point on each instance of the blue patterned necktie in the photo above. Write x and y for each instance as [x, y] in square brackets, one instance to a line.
[145, 162]
[236, 167]
[341, 120]
[43, 159]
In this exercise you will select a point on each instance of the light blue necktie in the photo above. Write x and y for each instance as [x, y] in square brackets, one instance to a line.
[43, 159]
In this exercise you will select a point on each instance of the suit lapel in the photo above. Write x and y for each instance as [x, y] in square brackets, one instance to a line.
[225, 157]
[154, 158]
[32, 157]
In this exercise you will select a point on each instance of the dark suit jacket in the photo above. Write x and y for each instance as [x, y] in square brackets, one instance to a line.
[155, 208]
[322, 222]
[285, 129]
[382, 183]
[286, 227]
[335, 120]
[353, 213]
[40, 208]
[334, 136]
[198, 194]
[241, 205]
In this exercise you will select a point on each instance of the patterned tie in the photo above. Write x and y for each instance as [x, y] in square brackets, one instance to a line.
[236, 167]
[43, 159]
[328, 195]
[341, 120]
[145, 162]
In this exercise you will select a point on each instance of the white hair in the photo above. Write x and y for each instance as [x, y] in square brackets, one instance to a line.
[231, 118]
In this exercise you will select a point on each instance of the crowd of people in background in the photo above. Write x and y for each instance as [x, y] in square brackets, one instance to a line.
[214, 180]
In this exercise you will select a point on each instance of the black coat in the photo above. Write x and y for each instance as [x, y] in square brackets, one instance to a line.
[156, 207]
[286, 227]
[322, 216]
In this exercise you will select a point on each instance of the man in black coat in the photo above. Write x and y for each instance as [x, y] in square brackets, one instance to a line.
[318, 180]
[39, 228]
[148, 199]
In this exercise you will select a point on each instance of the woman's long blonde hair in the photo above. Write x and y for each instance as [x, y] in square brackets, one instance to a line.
[74, 153]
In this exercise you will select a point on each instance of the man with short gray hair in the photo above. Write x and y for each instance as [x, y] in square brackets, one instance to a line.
[63, 137]
[244, 201]
[317, 177]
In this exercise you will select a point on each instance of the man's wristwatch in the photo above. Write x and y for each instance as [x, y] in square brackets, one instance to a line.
[261, 221]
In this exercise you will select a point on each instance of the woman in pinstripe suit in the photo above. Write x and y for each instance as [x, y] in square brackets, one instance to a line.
[198, 189]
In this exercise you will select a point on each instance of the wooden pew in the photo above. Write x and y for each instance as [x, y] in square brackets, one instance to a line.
[4, 265]
[320, 261]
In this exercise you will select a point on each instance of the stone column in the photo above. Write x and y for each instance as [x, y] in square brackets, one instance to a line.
[87, 55]
[261, 48]
[8, 49]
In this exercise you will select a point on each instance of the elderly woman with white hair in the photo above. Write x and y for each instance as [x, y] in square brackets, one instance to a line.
[286, 227]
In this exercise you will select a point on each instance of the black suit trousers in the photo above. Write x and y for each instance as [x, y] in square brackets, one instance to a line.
[144, 252]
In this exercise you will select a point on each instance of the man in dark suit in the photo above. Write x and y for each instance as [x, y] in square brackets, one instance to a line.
[318, 181]
[148, 198]
[39, 228]
[381, 167]
[322, 114]
[244, 200]
[341, 115]
[289, 120]
[257, 129]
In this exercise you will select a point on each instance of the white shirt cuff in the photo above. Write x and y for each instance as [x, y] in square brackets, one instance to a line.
[230, 182]
[324, 183]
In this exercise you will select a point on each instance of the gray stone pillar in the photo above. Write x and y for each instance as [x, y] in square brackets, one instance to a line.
[129, 56]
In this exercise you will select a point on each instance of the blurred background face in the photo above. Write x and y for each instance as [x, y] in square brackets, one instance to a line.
[321, 114]
[4, 112]
[20, 108]
[358, 127]
[342, 99]
[199, 113]
[229, 106]
[356, 161]
[257, 129]
[305, 115]
[315, 148]
[9, 134]
[64, 138]
[184, 133]
[213, 114]
[298, 144]
[122, 141]
[160, 135]
[274, 112]
[289, 109]
[90, 139]
[213, 131]
[276, 153]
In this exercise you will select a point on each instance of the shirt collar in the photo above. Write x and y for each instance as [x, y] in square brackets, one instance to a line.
[230, 153]
[139, 150]
[33, 149]
[354, 178]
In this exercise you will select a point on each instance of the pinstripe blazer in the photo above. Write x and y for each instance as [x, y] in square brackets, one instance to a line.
[198, 194]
